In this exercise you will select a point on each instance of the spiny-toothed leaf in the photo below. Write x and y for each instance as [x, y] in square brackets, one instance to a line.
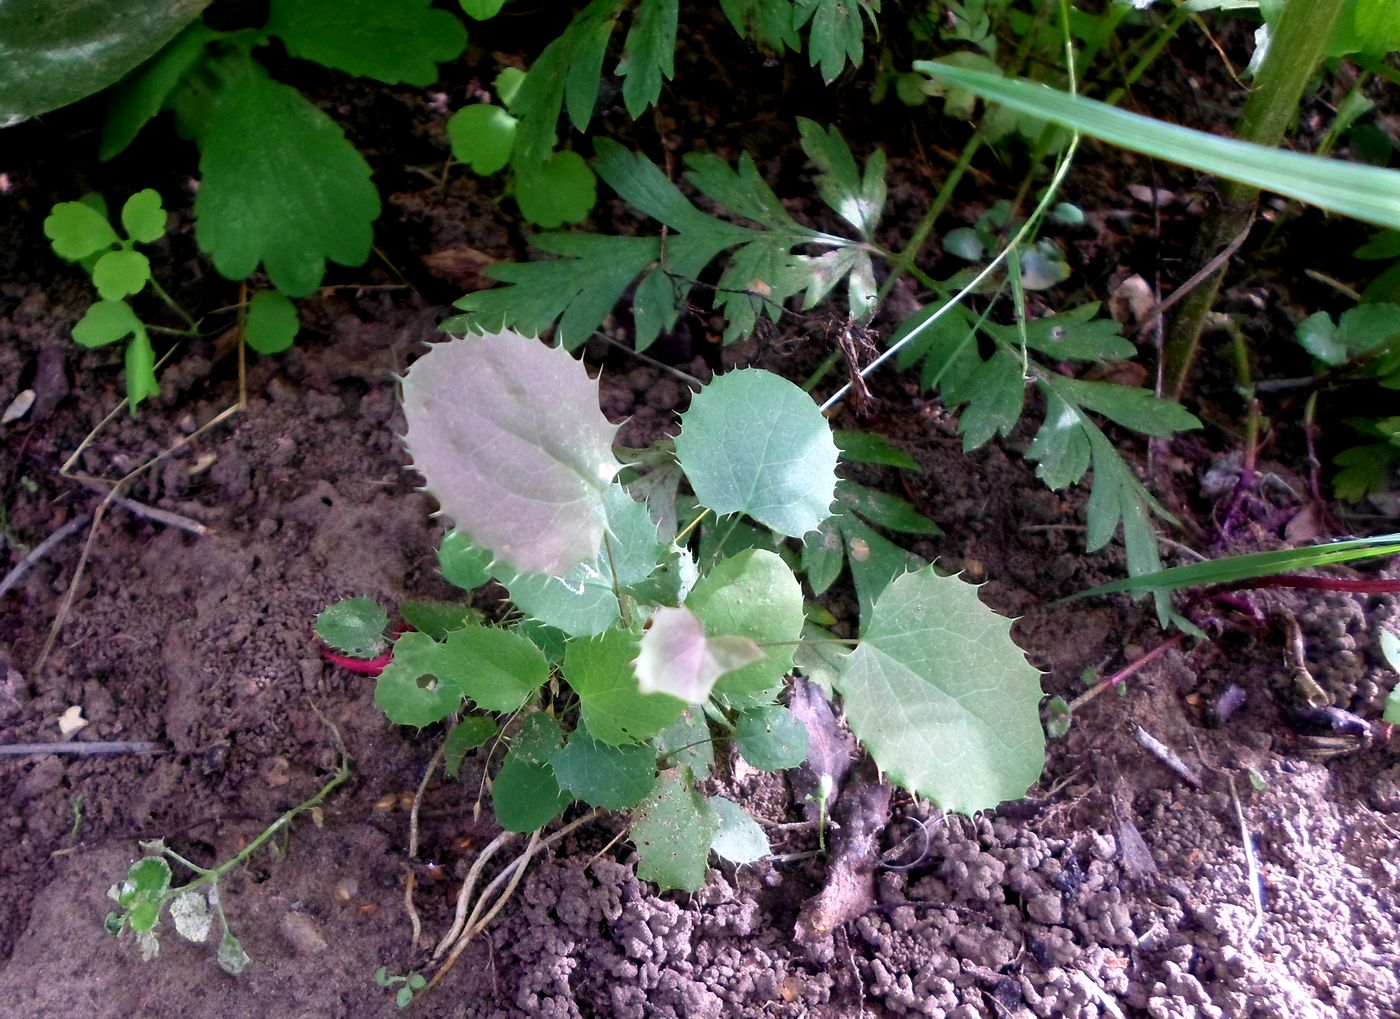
[739, 839]
[462, 563]
[118, 274]
[438, 619]
[482, 136]
[418, 687]
[942, 698]
[468, 734]
[400, 42]
[560, 190]
[994, 394]
[648, 54]
[510, 438]
[875, 561]
[142, 94]
[580, 288]
[498, 669]
[1070, 335]
[859, 201]
[754, 595]
[524, 793]
[603, 775]
[771, 738]
[354, 626]
[600, 673]
[751, 442]
[77, 230]
[584, 601]
[677, 658]
[280, 186]
[836, 33]
[686, 743]
[1130, 407]
[55, 54]
[272, 322]
[672, 831]
[143, 216]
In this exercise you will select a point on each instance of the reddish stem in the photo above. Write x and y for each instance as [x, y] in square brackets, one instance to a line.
[362, 666]
[1377, 586]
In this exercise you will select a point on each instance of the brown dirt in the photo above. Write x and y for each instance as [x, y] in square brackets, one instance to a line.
[1114, 889]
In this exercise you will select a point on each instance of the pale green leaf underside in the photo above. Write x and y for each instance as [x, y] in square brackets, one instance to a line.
[739, 839]
[941, 696]
[510, 438]
[1368, 193]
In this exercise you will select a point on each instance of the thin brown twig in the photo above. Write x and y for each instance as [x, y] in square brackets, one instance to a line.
[1154, 314]
[413, 846]
[146, 512]
[42, 549]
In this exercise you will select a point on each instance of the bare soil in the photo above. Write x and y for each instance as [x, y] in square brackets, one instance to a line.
[1116, 888]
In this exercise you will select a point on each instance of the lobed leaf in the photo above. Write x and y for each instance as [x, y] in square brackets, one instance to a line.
[77, 230]
[649, 54]
[143, 93]
[399, 42]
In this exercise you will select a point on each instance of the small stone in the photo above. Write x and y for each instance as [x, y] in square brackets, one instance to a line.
[1047, 909]
[303, 934]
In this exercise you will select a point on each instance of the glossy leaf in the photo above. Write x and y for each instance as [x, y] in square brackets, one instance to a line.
[672, 831]
[943, 699]
[399, 42]
[281, 186]
[611, 704]
[752, 442]
[510, 438]
[142, 94]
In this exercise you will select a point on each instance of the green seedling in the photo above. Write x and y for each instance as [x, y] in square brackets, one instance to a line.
[147, 891]
[1390, 648]
[408, 985]
[654, 646]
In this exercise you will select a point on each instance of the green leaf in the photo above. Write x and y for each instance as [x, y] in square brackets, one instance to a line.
[604, 775]
[524, 793]
[858, 201]
[752, 442]
[272, 322]
[468, 734]
[942, 698]
[1255, 564]
[835, 35]
[686, 744]
[1377, 24]
[995, 393]
[482, 137]
[142, 891]
[462, 563]
[280, 186]
[884, 510]
[741, 189]
[1131, 407]
[677, 658]
[648, 55]
[106, 322]
[771, 738]
[1368, 193]
[55, 54]
[119, 274]
[874, 561]
[510, 437]
[143, 217]
[611, 704]
[77, 230]
[354, 626]
[418, 687]
[872, 448]
[738, 839]
[498, 669]
[1364, 469]
[672, 831]
[584, 601]
[1359, 330]
[768, 22]
[481, 10]
[400, 42]
[1074, 335]
[139, 361]
[560, 190]
[754, 595]
[438, 619]
[142, 94]
[822, 555]
[581, 289]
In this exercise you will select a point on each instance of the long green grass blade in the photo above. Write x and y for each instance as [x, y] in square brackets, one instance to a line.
[1248, 567]
[1368, 193]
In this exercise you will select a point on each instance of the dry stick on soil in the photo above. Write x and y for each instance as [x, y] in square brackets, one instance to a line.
[42, 549]
[94, 747]
[1256, 882]
[1122, 674]
[413, 846]
[1166, 755]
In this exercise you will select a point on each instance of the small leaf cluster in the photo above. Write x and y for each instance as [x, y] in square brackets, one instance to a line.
[408, 985]
[552, 185]
[633, 655]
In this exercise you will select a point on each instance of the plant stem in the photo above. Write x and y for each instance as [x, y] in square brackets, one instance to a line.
[159, 291]
[1294, 51]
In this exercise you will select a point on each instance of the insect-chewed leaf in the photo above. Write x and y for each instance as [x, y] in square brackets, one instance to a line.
[943, 699]
[672, 832]
[509, 436]
[752, 442]
[677, 658]
[686, 743]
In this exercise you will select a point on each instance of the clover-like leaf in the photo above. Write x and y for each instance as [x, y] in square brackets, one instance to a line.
[142, 891]
[143, 216]
[272, 322]
[611, 704]
[106, 322]
[119, 274]
[395, 42]
[510, 438]
[280, 186]
[943, 699]
[677, 658]
[672, 831]
[77, 230]
[752, 442]
[560, 190]
[482, 136]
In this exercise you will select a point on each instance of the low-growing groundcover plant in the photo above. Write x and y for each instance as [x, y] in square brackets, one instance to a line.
[630, 659]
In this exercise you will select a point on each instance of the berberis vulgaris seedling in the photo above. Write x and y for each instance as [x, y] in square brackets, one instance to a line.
[630, 659]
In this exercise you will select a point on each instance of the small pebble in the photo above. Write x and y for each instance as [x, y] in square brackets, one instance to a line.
[303, 934]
